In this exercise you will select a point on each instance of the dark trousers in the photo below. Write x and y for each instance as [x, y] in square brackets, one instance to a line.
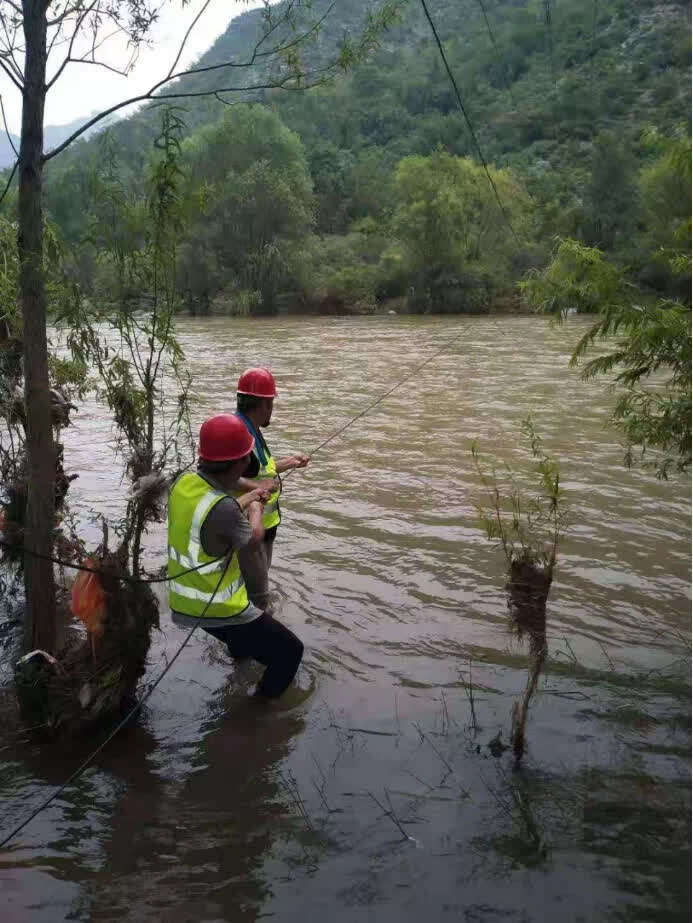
[271, 644]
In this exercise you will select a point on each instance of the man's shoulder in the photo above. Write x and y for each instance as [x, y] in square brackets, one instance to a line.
[226, 508]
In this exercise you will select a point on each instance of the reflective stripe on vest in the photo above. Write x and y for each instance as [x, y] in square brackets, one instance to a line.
[271, 514]
[190, 502]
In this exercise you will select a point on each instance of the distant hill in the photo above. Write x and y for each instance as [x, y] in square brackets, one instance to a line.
[538, 94]
[52, 134]
[6, 152]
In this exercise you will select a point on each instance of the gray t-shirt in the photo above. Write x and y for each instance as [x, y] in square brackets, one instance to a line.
[225, 528]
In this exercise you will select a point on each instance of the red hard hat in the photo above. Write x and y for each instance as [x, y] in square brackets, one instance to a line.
[224, 438]
[258, 382]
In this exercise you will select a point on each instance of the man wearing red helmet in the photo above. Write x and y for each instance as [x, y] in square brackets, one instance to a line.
[254, 402]
[208, 526]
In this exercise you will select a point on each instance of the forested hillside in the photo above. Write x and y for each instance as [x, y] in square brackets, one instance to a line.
[344, 195]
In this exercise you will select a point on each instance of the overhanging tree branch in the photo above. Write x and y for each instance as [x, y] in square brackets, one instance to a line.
[8, 71]
[153, 93]
[73, 38]
[187, 36]
[67, 12]
[368, 41]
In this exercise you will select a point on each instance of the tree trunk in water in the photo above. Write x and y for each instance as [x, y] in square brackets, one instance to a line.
[40, 618]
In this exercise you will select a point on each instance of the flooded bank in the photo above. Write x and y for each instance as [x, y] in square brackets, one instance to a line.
[378, 793]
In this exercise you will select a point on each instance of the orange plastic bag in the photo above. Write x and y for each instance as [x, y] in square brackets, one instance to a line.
[89, 600]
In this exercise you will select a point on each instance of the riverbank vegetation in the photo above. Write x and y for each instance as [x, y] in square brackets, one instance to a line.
[135, 367]
[646, 336]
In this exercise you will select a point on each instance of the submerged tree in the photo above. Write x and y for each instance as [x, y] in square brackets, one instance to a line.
[141, 377]
[526, 518]
[67, 380]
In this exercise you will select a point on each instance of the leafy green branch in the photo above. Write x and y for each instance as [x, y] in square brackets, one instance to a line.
[649, 347]
[526, 524]
[129, 339]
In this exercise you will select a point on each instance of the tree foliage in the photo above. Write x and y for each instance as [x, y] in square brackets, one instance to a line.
[250, 203]
[129, 335]
[648, 348]
[449, 229]
[523, 512]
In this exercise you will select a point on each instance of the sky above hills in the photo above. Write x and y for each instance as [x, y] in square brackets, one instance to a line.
[84, 88]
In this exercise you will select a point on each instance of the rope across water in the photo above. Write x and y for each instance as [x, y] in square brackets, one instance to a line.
[138, 705]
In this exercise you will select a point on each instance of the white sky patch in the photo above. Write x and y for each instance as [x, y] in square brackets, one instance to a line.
[84, 88]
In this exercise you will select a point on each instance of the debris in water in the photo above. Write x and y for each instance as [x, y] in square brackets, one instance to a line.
[496, 745]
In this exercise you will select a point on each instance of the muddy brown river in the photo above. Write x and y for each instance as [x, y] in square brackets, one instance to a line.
[370, 794]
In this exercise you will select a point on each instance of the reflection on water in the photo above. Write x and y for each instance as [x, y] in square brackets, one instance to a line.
[217, 821]
[212, 809]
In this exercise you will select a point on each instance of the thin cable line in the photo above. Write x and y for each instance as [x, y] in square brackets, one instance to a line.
[136, 707]
[382, 397]
[479, 152]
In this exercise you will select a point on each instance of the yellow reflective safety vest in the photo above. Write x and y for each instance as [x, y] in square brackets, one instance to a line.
[190, 502]
[271, 514]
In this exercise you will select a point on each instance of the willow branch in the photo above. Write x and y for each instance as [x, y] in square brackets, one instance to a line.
[75, 33]
[67, 12]
[314, 29]
[11, 45]
[10, 74]
[187, 36]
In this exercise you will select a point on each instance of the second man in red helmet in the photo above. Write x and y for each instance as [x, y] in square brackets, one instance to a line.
[255, 396]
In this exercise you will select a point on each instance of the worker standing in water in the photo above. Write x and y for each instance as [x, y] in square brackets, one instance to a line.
[255, 396]
[206, 522]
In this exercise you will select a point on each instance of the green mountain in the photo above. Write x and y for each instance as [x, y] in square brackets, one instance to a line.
[567, 95]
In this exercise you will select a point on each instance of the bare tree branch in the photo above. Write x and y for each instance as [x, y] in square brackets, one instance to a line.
[90, 56]
[279, 84]
[15, 6]
[150, 93]
[7, 131]
[54, 41]
[11, 40]
[11, 47]
[256, 54]
[225, 102]
[291, 81]
[90, 19]
[109, 67]
[8, 71]
[187, 36]
[73, 38]
[67, 12]
[314, 29]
